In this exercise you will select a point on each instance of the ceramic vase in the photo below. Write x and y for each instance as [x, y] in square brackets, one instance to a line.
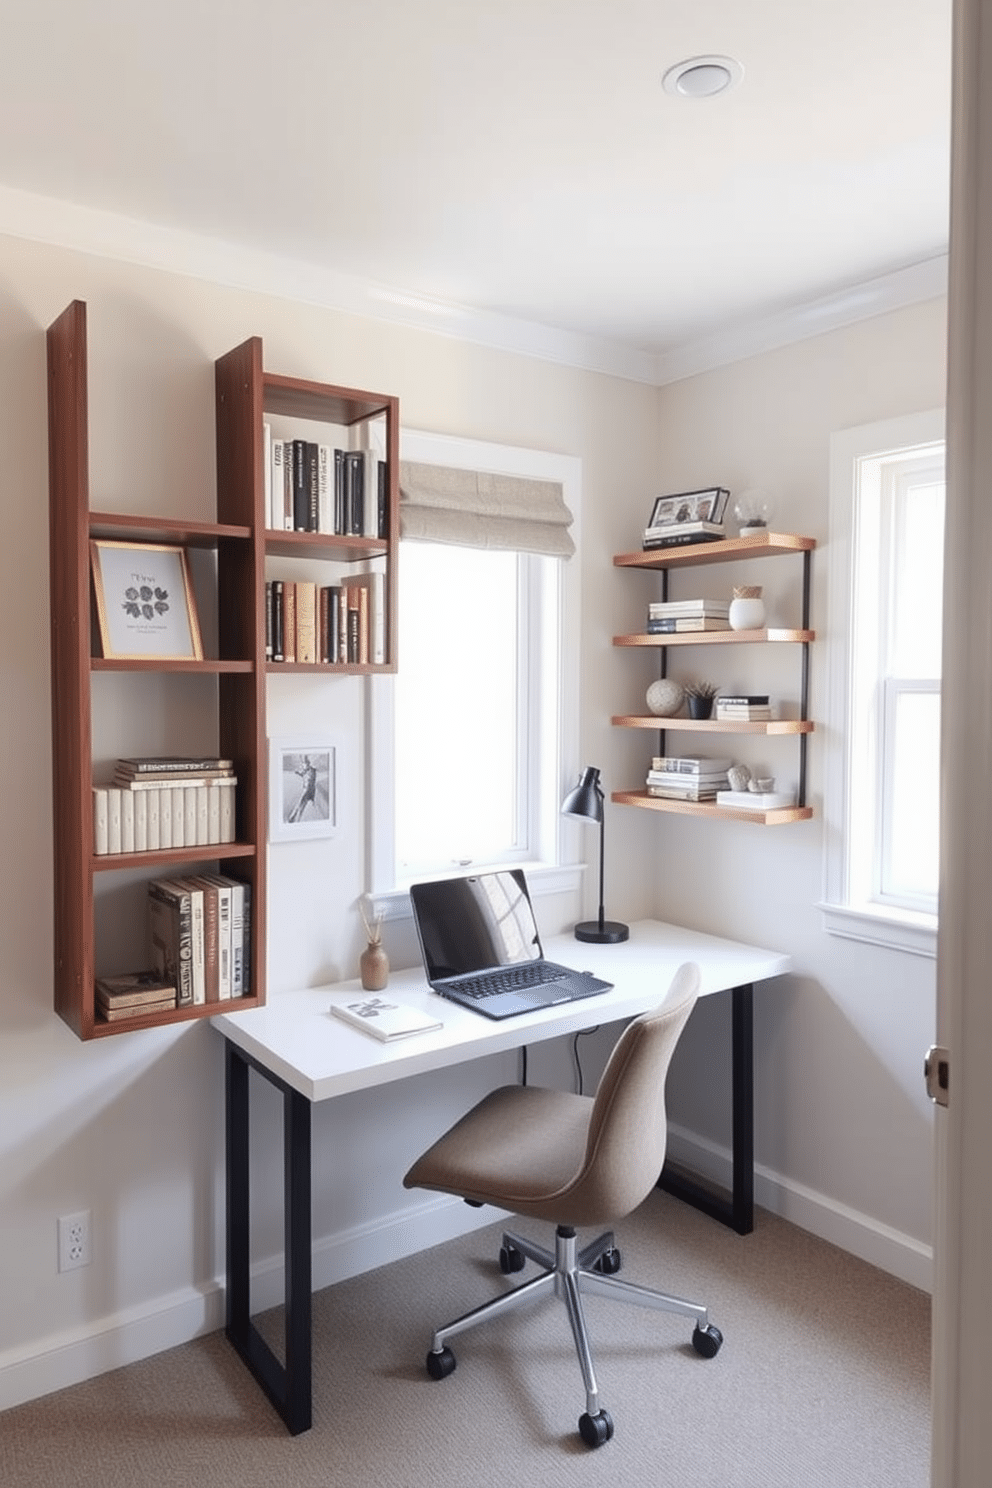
[373, 964]
[747, 608]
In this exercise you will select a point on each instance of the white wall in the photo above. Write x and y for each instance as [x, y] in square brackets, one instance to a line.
[131, 1128]
[843, 1127]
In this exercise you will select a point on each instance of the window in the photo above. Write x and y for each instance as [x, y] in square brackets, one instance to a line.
[467, 738]
[883, 785]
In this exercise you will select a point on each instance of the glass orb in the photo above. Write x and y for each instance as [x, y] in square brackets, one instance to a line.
[754, 510]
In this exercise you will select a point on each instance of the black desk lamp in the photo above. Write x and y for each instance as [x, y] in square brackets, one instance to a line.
[585, 801]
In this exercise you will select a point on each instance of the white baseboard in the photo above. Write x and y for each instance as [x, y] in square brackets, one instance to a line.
[109, 1343]
[67, 1358]
[859, 1234]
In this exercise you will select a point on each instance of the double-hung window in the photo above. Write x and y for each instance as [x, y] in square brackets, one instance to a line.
[883, 781]
[467, 737]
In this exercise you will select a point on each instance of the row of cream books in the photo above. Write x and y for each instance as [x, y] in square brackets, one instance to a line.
[313, 487]
[306, 622]
[200, 928]
[687, 777]
[164, 802]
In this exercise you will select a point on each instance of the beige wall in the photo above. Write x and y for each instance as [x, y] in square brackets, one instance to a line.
[843, 1124]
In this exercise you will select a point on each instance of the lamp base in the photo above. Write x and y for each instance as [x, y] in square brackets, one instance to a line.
[610, 932]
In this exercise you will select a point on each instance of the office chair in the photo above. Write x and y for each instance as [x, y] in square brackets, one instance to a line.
[572, 1160]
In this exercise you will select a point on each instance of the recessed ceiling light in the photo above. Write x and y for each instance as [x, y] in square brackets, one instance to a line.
[702, 77]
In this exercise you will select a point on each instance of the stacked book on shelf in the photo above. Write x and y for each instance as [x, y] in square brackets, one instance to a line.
[311, 487]
[687, 777]
[691, 517]
[201, 936]
[743, 708]
[134, 994]
[306, 622]
[162, 802]
[672, 616]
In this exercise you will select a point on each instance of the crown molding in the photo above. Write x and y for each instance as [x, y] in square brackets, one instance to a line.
[63, 224]
[911, 285]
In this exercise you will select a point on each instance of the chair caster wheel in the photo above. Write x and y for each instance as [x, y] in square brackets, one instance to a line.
[441, 1364]
[706, 1341]
[595, 1430]
[511, 1259]
[609, 1263]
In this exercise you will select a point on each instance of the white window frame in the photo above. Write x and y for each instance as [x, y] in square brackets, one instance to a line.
[853, 906]
[557, 707]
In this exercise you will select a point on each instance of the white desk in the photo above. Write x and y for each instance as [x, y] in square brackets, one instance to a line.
[309, 1055]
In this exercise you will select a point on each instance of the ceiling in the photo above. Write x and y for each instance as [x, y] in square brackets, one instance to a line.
[508, 170]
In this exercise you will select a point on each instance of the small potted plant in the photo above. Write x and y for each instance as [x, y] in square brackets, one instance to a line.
[699, 698]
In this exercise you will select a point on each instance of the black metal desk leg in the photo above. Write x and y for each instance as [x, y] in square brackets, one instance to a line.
[288, 1385]
[742, 1140]
[236, 1143]
[735, 1209]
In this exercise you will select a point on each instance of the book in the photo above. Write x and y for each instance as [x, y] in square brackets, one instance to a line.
[693, 782]
[726, 699]
[132, 988]
[113, 820]
[170, 919]
[169, 779]
[383, 1019]
[127, 822]
[683, 623]
[278, 620]
[276, 504]
[690, 764]
[140, 821]
[306, 620]
[683, 793]
[151, 809]
[100, 819]
[757, 714]
[165, 816]
[288, 621]
[683, 535]
[173, 764]
[660, 608]
[755, 800]
[211, 938]
[113, 1013]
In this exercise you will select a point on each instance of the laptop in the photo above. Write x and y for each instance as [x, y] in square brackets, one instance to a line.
[482, 949]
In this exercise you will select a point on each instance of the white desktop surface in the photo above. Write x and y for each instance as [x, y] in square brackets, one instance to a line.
[297, 1038]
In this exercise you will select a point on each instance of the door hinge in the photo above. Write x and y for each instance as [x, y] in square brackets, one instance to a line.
[937, 1074]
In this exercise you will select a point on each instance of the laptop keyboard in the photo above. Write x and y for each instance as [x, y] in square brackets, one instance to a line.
[509, 979]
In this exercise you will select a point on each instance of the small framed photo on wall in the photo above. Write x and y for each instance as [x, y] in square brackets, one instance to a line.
[302, 789]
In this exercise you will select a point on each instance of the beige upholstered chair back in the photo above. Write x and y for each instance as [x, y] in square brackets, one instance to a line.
[628, 1129]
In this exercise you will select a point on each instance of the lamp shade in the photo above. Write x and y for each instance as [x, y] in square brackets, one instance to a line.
[585, 801]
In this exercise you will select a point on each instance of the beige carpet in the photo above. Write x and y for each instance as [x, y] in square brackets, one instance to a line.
[822, 1382]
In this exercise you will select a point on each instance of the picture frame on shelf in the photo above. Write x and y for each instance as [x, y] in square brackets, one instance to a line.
[706, 505]
[144, 601]
[303, 788]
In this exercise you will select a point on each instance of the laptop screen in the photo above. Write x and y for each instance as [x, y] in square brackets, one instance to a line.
[473, 923]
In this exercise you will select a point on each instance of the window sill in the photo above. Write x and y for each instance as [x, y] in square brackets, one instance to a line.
[542, 878]
[898, 930]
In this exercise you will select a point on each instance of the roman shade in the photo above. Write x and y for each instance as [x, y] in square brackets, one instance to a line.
[476, 509]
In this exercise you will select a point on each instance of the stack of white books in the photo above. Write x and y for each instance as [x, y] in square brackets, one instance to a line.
[743, 707]
[670, 617]
[687, 777]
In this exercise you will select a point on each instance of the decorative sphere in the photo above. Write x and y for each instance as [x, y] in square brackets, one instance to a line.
[665, 697]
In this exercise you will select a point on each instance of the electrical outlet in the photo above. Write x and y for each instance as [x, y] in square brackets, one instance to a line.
[74, 1240]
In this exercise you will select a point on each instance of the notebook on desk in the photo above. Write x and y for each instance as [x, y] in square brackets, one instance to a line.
[482, 949]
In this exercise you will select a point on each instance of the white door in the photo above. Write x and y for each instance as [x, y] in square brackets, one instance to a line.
[962, 1443]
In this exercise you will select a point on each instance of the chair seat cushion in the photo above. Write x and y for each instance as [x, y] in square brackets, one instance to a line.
[519, 1148]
